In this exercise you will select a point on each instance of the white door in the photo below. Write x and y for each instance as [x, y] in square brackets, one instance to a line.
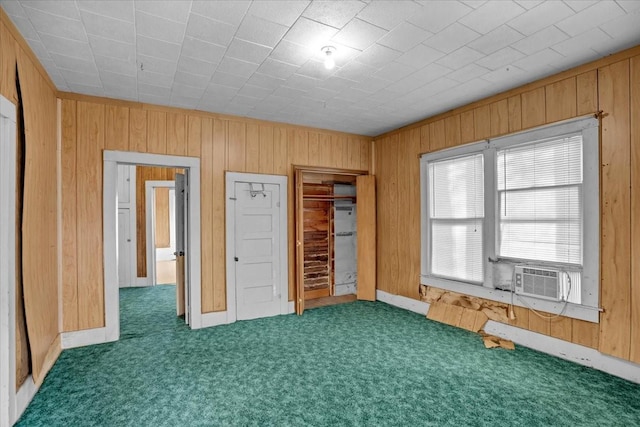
[257, 244]
[124, 248]
[181, 215]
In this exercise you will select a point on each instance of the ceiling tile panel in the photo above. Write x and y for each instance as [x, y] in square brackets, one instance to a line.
[311, 34]
[314, 69]
[209, 30]
[500, 58]
[63, 8]
[460, 58]
[26, 28]
[437, 15]
[359, 34]
[420, 56]
[579, 5]
[156, 64]
[264, 81]
[404, 37]
[468, 72]
[377, 56]
[118, 66]
[230, 80]
[148, 89]
[117, 9]
[247, 51]
[451, 38]
[159, 28]
[75, 76]
[112, 48]
[199, 49]
[497, 39]
[79, 65]
[590, 17]
[231, 12]
[259, 31]
[388, 13]
[69, 47]
[254, 91]
[581, 42]
[545, 14]
[192, 80]
[291, 53]
[155, 79]
[394, 71]
[333, 13]
[491, 15]
[540, 40]
[108, 28]
[56, 25]
[278, 11]
[196, 66]
[157, 48]
[277, 69]
[235, 66]
[177, 11]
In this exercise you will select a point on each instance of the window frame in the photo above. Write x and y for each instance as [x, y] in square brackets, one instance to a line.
[588, 309]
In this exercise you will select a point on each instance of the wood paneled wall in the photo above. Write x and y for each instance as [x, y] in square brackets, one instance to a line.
[144, 174]
[221, 142]
[611, 85]
[40, 211]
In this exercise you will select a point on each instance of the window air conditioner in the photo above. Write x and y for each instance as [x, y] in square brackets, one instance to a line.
[538, 282]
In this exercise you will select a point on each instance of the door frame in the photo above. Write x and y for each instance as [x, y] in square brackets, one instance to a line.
[191, 165]
[298, 172]
[150, 214]
[8, 394]
[231, 178]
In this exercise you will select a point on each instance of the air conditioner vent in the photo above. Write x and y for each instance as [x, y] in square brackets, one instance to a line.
[539, 282]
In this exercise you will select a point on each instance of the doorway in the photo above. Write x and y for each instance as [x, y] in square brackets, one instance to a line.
[335, 236]
[160, 232]
[191, 249]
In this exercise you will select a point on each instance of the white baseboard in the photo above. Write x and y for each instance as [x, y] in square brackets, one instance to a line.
[553, 346]
[291, 307]
[24, 396]
[142, 282]
[83, 338]
[214, 319]
[565, 350]
[410, 304]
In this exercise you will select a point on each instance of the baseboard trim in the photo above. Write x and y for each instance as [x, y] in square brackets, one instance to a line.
[83, 338]
[553, 346]
[214, 319]
[291, 307]
[24, 396]
[565, 350]
[410, 304]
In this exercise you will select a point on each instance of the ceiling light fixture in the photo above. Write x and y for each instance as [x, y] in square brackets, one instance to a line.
[329, 62]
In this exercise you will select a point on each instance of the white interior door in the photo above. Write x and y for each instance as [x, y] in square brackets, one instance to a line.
[257, 244]
[181, 227]
[124, 248]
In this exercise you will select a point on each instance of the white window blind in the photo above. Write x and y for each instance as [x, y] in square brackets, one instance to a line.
[540, 201]
[456, 207]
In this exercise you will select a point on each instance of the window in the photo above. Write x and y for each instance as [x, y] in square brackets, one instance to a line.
[456, 210]
[521, 205]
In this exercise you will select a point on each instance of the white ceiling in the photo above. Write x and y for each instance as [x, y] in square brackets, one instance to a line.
[397, 61]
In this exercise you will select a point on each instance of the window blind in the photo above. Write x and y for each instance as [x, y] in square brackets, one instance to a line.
[540, 201]
[456, 207]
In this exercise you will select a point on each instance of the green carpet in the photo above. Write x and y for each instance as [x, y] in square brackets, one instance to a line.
[145, 311]
[357, 364]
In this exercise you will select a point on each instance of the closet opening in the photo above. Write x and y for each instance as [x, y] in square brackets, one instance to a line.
[333, 238]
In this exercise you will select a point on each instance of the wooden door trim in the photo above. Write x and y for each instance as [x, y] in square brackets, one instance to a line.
[298, 171]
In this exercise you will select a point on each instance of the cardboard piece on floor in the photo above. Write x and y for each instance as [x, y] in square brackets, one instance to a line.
[491, 341]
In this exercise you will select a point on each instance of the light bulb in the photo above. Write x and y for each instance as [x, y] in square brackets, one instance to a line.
[329, 62]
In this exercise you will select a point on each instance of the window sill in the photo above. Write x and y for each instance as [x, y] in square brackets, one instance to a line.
[575, 311]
